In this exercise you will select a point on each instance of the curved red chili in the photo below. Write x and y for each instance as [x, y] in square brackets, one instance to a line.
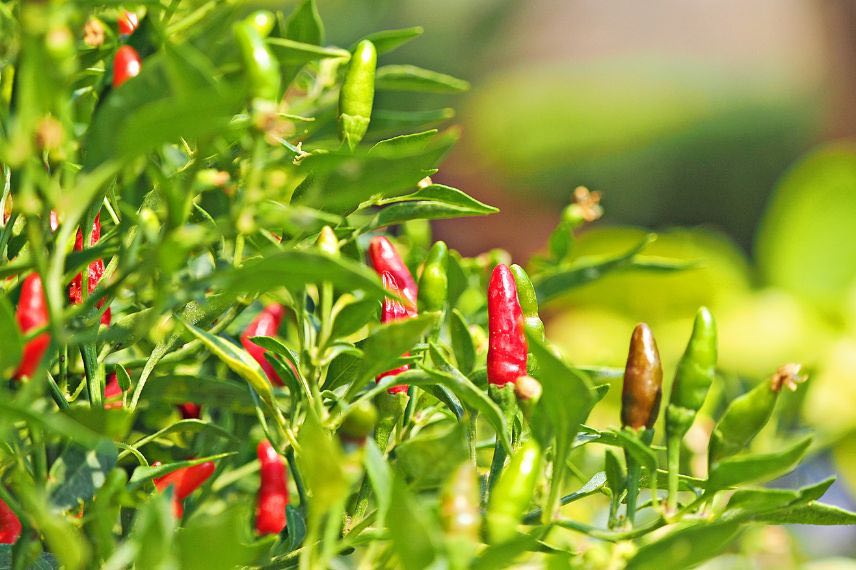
[393, 310]
[10, 525]
[184, 481]
[32, 313]
[273, 491]
[96, 271]
[385, 258]
[190, 411]
[128, 22]
[126, 65]
[507, 348]
[265, 324]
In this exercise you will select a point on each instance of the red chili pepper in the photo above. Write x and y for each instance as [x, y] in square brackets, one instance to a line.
[32, 313]
[190, 411]
[273, 491]
[125, 65]
[385, 259]
[10, 525]
[112, 393]
[96, 271]
[128, 22]
[265, 324]
[393, 310]
[506, 355]
[184, 481]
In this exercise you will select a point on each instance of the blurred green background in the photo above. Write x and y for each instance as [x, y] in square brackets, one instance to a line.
[721, 125]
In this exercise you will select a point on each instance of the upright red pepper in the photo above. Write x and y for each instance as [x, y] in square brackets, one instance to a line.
[190, 411]
[10, 525]
[273, 491]
[184, 481]
[96, 271]
[385, 259]
[32, 313]
[506, 355]
[265, 324]
[126, 65]
[393, 310]
[128, 22]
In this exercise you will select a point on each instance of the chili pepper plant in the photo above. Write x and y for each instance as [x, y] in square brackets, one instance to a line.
[228, 338]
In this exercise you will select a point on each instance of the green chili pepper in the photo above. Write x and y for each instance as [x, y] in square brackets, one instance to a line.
[746, 415]
[692, 381]
[357, 94]
[694, 375]
[359, 423]
[460, 515]
[511, 496]
[261, 65]
[528, 302]
[263, 21]
[434, 283]
[328, 242]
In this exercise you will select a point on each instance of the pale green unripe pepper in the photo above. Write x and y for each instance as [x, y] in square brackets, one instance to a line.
[357, 94]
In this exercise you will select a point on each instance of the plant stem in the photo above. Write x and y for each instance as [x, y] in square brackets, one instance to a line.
[674, 465]
[496, 465]
[634, 474]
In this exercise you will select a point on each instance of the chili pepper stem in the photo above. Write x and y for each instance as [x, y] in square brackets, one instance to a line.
[294, 472]
[674, 465]
[94, 382]
[634, 475]
[496, 465]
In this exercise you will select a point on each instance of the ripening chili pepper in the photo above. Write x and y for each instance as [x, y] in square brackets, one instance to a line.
[357, 94]
[746, 415]
[459, 504]
[184, 481]
[126, 65]
[273, 491]
[261, 65]
[507, 348]
[513, 492]
[190, 411]
[393, 310]
[643, 381]
[128, 22]
[385, 259]
[693, 376]
[265, 324]
[32, 313]
[263, 21]
[434, 282]
[528, 302]
[10, 525]
[95, 271]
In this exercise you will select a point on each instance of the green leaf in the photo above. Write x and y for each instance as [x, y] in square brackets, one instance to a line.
[294, 269]
[388, 121]
[565, 403]
[615, 476]
[343, 369]
[415, 537]
[237, 359]
[354, 316]
[685, 547]
[750, 504]
[431, 203]
[383, 348]
[470, 394]
[295, 526]
[505, 553]
[412, 78]
[550, 285]
[758, 467]
[462, 342]
[205, 390]
[321, 466]
[150, 542]
[813, 513]
[389, 40]
[380, 477]
[290, 52]
[215, 541]
[304, 24]
[427, 459]
[10, 338]
[79, 472]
